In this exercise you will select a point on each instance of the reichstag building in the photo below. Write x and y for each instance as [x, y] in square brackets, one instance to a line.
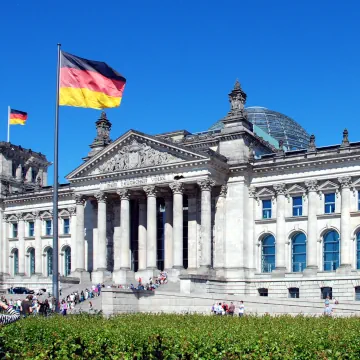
[251, 206]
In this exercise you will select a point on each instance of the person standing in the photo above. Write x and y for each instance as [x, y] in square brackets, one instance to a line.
[231, 309]
[241, 309]
[26, 306]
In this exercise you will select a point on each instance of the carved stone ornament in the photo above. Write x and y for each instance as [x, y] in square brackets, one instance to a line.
[252, 192]
[345, 141]
[6, 218]
[124, 194]
[311, 185]
[280, 189]
[206, 184]
[136, 155]
[36, 214]
[223, 190]
[20, 216]
[100, 196]
[312, 145]
[79, 199]
[177, 187]
[72, 210]
[150, 190]
[345, 181]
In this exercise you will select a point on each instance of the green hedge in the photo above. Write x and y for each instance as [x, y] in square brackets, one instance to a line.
[143, 336]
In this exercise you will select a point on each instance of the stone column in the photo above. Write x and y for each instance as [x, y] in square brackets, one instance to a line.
[72, 211]
[21, 237]
[219, 246]
[250, 248]
[177, 189]
[193, 244]
[345, 228]
[169, 246]
[100, 249]
[151, 233]
[5, 249]
[125, 229]
[80, 234]
[280, 228]
[38, 247]
[311, 241]
[205, 255]
[2, 237]
[142, 234]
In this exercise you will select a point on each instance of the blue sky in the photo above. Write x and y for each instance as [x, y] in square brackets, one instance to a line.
[181, 58]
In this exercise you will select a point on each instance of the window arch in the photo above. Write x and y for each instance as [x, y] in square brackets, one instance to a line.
[32, 261]
[67, 259]
[49, 261]
[331, 250]
[16, 261]
[358, 250]
[268, 253]
[298, 250]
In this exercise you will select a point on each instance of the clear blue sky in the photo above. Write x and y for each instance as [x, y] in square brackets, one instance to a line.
[181, 58]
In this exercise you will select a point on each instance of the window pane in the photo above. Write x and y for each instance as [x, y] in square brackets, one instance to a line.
[331, 251]
[297, 200]
[330, 198]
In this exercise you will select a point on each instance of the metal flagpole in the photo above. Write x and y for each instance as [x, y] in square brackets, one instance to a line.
[55, 275]
[8, 133]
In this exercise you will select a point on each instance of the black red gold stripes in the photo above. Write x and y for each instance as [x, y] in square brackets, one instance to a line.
[17, 117]
[88, 83]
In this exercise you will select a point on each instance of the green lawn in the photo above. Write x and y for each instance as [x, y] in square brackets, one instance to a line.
[143, 336]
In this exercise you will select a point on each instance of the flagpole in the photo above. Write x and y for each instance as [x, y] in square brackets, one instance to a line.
[55, 275]
[8, 132]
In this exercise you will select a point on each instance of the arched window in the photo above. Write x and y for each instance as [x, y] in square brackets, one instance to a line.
[16, 261]
[331, 250]
[67, 254]
[49, 259]
[268, 254]
[358, 250]
[298, 252]
[32, 261]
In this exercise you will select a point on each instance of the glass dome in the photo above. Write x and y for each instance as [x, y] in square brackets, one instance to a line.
[277, 125]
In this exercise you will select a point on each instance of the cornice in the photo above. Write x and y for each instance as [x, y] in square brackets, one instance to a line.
[36, 195]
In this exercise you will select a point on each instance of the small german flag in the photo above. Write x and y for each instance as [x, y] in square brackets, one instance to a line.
[88, 83]
[17, 117]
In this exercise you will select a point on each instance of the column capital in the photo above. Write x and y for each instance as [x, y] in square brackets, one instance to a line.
[20, 216]
[223, 190]
[280, 189]
[206, 184]
[72, 210]
[345, 181]
[123, 193]
[6, 218]
[177, 187]
[36, 214]
[311, 185]
[100, 196]
[252, 191]
[79, 199]
[150, 190]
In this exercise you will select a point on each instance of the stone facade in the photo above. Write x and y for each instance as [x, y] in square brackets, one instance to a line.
[220, 211]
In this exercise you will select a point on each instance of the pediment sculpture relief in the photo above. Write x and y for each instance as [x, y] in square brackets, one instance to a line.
[136, 155]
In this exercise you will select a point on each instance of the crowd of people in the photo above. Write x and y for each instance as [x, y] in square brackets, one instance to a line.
[228, 309]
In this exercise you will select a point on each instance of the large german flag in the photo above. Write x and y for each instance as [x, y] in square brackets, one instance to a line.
[89, 84]
[17, 117]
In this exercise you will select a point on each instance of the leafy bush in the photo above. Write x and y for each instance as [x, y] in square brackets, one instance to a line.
[145, 336]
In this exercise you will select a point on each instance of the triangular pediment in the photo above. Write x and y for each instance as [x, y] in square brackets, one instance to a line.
[296, 189]
[328, 185]
[135, 151]
[265, 192]
[356, 183]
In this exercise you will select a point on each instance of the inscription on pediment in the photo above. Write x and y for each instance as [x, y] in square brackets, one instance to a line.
[136, 155]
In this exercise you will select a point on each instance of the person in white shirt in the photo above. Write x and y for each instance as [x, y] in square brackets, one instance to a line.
[241, 309]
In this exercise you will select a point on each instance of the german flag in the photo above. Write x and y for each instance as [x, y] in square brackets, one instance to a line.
[88, 83]
[17, 117]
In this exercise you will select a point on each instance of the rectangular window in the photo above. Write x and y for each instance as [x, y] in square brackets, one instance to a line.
[14, 230]
[31, 228]
[266, 209]
[48, 227]
[263, 292]
[297, 205]
[329, 203]
[66, 226]
[294, 293]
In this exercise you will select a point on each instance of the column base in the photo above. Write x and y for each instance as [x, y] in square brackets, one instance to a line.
[81, 274]
[310, 271]
[98, 276]
[344, 269]
[174, 273]
[124, 277]
[205, 270]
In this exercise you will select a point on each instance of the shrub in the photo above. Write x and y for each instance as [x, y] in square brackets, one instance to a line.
[146, 336]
